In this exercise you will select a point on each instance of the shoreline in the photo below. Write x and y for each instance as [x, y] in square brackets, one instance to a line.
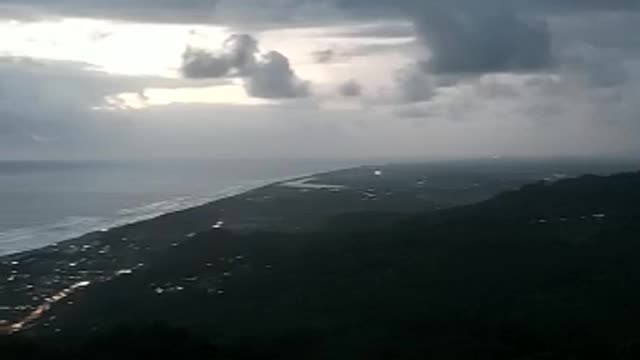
[48, 275]
[304, 179]
[225, 194]
[384, 192]
[68, 257]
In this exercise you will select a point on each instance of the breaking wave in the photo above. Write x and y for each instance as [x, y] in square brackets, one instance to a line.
[30, 238]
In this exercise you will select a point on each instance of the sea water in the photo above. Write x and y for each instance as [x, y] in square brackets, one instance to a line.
[44, 202]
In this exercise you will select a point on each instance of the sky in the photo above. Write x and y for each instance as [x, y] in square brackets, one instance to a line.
[429, 79]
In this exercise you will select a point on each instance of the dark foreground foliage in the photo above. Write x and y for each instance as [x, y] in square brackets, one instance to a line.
[152, 341]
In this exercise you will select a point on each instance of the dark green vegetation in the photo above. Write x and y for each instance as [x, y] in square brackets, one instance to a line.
[34, 276]
[549, 271]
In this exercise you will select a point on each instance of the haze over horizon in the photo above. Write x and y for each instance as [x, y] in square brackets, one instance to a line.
[318, 79]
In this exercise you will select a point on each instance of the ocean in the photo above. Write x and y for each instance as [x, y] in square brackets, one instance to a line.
[44, 202]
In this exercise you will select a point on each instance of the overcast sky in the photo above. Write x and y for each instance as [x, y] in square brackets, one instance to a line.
[318, 78]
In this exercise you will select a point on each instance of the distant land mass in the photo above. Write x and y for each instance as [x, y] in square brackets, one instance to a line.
[456, 261]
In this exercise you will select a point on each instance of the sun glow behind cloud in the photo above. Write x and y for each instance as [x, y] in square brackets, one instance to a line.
[147, 50]
[110, 46]
[125, 49]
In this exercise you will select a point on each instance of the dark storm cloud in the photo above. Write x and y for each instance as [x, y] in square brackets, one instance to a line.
[605, 31]
[267, 75]
[350, 88]
[491, 36]
[494, 42]
[273, 78]
[199, 63]
[236, 57]
[380, 6]
[573, 5]
[474, 37]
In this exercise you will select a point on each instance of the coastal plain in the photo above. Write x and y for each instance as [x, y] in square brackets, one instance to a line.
[222, 240]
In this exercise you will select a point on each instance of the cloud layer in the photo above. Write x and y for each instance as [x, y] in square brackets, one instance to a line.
[267, 75]
[464, 42]
[237, 57]
[473, 77]
[45, 109]
[272, 78]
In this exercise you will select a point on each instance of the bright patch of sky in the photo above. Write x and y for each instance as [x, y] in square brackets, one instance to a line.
[221, 94]
[155, 50]
[113, 47]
